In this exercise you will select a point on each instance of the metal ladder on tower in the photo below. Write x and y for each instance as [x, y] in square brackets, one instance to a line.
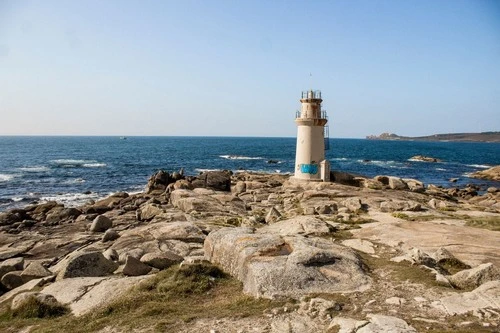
[327, 137]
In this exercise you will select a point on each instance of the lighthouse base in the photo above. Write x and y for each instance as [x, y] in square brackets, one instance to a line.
[313, 172]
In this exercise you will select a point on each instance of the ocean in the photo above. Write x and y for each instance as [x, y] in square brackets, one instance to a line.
[73, 170]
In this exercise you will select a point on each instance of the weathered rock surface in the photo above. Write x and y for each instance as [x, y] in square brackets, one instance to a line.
[474, 277]
[360, 245]
[134, 267]
[492, 173]
[300, 225]
[84, 294]
[35, 270]
[86, 264]
[12, 264]
[274, 266]
[484, 297]
[425, 159]
[161, 260]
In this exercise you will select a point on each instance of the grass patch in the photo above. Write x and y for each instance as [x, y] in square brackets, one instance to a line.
[402, 271]
[34, 308]
[416, 218]
[485, 222]
[164, 302]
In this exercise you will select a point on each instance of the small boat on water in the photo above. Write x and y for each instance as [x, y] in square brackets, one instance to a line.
[123, 138]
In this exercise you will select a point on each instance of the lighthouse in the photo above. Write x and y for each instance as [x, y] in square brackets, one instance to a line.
[310, 163]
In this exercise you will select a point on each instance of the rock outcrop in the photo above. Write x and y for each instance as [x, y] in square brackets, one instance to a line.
[274, 266]
[492, 173]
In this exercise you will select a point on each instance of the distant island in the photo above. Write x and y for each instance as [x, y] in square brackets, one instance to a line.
[464, 137]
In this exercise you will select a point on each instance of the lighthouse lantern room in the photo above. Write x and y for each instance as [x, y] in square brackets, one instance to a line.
[310, 163]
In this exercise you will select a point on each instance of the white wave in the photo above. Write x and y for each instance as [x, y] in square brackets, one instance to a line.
[339, 159]
[236, 157]
[74, 181]
[17, 199]
[206, 170]
[479, 166]
[441, 169]
[72, 162]
[5, 177]
[94, 165]
[71, 199]
[262, 171]
[34, 169]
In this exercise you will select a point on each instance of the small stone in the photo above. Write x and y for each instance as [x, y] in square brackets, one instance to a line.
[101, 223]
[395, 301]
[273, 215]
[110, 235]
[12, 280]
[111, 254]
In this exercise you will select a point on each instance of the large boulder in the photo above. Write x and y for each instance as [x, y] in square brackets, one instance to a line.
[397, 183]
[12, 280]
[474, 277]
[161, 260]
[44, 299]
[184, 231]
[84, 294]
[216, 180]
[421, 158]
[158, 182]
[35, 270]
[134, 267]
[86, 264]
[274, 266]
[12, 264]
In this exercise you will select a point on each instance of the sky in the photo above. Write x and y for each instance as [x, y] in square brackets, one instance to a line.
[237, 68]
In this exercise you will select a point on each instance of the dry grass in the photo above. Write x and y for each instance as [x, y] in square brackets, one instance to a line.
[485, 222]
[166, 302]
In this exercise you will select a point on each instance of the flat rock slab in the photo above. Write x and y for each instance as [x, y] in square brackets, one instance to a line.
[83, 294]
[429, 236]
[360, 245]
[483, 297]
[300, 225]
[274, 266]
[374, 324]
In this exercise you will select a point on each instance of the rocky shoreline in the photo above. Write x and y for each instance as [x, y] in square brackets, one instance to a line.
[402, 255]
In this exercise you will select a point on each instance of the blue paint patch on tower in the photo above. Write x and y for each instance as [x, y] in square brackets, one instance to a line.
[309, 168]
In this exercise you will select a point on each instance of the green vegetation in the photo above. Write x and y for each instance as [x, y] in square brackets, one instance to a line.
[485, 222]
[166, 302]
[34, 308]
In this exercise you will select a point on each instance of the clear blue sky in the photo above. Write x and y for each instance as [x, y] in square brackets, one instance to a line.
[236, 68]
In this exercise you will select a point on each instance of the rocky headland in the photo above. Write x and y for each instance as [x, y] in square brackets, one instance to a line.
[223, 252]
[463, 137]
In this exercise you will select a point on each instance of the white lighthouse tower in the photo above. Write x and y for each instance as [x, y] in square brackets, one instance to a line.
[310, 163]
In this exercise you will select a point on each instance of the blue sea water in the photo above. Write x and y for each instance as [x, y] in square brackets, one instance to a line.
[73, 170]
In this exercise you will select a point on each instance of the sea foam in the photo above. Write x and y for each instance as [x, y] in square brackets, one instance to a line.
[237, 157]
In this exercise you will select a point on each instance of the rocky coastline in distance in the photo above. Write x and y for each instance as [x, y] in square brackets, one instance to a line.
[461, 137]
[252, 252]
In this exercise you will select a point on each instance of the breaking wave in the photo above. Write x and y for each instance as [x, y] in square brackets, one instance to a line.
[479, 166]
[69, 163]
[34, 169]
[237, 157]
[71, 199]
[5, 177]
